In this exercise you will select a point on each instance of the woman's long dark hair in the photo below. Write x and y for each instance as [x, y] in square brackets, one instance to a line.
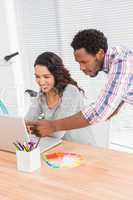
[55, 65]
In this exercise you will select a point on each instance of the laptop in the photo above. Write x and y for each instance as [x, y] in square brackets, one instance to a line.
[13, 129]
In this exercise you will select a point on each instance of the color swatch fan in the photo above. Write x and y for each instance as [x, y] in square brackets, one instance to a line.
[63, 160]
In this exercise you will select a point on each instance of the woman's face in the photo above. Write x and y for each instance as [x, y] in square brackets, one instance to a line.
[44, 78]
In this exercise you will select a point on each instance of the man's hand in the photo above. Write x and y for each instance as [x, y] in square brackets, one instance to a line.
[44, 128]
[41, 128]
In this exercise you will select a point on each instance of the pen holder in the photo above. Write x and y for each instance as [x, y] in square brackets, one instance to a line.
[28, 161]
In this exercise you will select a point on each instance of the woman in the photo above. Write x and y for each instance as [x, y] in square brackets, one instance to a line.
[59, 96]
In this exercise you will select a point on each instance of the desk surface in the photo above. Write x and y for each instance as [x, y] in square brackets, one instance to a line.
[106, 175]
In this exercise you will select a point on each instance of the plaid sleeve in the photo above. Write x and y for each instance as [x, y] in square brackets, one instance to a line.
[111, 96]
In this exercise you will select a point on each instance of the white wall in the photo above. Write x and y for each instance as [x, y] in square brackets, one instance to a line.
[30, 28]
[11, 81]
[37, 32]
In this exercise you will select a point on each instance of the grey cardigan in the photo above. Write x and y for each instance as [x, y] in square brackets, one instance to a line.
[71, 102]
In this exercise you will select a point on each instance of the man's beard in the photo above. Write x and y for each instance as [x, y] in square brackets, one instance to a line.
[94, 75]
[99, 65]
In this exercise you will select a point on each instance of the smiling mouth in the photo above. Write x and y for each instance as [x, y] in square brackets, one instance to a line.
[43, 87]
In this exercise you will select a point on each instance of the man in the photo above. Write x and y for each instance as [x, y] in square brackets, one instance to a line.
[92, 53]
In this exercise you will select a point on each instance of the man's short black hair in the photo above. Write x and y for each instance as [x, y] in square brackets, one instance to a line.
[90, 39]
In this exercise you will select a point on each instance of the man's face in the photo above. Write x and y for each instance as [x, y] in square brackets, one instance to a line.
[89, 64]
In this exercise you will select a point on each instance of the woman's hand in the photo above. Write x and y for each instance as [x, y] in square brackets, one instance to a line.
[28, 129]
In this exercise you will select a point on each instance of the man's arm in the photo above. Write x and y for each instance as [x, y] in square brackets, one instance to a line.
[72, 122]
[46, 128]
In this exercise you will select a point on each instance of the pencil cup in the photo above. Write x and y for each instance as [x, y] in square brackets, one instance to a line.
[28, 161]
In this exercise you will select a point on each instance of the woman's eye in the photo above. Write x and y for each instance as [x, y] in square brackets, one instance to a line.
[46, 77]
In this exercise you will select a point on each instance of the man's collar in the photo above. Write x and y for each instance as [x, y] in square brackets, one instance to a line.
[106, 63]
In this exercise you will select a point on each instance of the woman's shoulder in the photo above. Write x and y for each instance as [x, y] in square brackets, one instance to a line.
[73, 98]
[71, 91]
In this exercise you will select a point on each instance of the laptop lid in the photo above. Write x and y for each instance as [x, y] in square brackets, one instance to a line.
[13, 129]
